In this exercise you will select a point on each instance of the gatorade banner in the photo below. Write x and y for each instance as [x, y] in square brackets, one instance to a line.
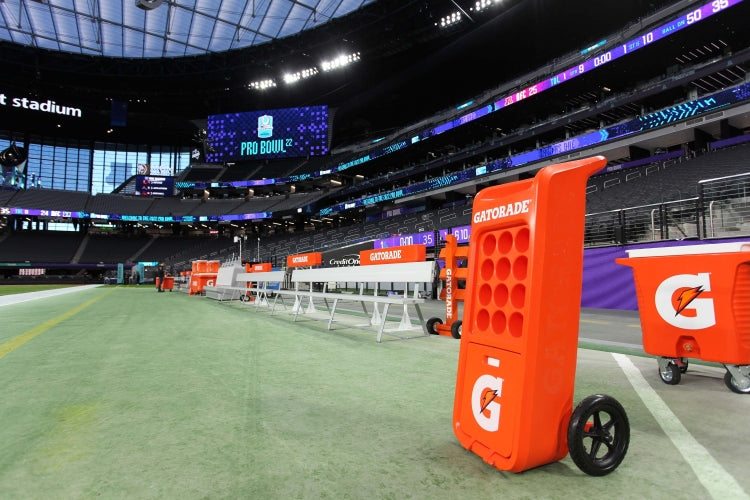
[304, 259]
[261, 267]
[393, 255]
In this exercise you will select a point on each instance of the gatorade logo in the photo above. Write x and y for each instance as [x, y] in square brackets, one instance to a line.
[485, 402]
[386, 255]
[448, 293]
[299, 260]
[679, 302]
[502, 211]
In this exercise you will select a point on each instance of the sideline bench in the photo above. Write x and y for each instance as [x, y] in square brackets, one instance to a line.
[263, 283]
[412, 273]
[223, 285]
[237, 288]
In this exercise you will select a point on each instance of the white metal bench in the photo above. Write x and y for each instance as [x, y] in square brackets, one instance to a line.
[412, 274]
[262, 284]
[224, 287]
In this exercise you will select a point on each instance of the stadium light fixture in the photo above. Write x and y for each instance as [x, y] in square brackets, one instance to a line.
[148, 4]
[450, 20]
[480, 5]
[262, 84]
[300, 75]
[340, 61]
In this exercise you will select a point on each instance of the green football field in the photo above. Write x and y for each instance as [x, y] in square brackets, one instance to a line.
[122, 392]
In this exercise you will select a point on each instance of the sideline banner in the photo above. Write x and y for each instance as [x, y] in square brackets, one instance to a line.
[261, 267]
[393, 255]
[304, 259]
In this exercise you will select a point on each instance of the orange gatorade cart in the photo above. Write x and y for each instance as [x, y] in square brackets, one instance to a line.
[258, 267]
[451, 275]
[693, 303]
[168, 283]
[203, 274]
[516, 368]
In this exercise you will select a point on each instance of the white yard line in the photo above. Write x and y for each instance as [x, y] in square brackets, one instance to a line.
[17, 298]
[719, 483]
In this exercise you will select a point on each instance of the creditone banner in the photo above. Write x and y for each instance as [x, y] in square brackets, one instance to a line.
[345, 257]
[393, 255]
[304, 259]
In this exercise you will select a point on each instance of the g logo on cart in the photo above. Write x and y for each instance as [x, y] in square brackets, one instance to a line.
[485, 405]
[678, 303]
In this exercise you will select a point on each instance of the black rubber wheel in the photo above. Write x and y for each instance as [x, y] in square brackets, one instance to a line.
[456, 329]
[598, 435]
[431, 325]
[731, 383]
[671, 374]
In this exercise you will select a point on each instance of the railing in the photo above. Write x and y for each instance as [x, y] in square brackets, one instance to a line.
[721, 210]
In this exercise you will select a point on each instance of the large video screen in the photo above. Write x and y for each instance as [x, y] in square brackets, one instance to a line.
[154, 185]
[277, 133]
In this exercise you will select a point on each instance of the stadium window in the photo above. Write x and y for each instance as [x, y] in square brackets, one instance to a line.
[72, 165]
[113, 164]
[58, 165]
[166, 157]
[183, 161]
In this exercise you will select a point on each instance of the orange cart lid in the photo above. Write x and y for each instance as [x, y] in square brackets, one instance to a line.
[736, 246]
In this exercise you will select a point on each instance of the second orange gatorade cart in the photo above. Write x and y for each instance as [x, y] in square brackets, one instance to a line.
[693, 300]
[516, 369]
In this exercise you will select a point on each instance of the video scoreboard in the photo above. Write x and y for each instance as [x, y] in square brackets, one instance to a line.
[278, 133]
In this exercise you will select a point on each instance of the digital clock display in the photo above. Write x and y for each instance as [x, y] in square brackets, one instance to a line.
[426, 238]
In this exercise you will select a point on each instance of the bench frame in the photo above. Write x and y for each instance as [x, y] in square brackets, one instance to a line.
[413, 273]
[260, 289]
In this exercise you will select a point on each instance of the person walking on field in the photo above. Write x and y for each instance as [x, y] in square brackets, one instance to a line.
[160, 273]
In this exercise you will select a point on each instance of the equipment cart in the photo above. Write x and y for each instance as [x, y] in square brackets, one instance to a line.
[168, 283]
[517, 359]
[453, 278]
[693, 302]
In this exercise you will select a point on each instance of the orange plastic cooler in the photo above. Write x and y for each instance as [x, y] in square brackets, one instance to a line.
[168, 283]
[693, 302]
[517, 359]
[203, 274]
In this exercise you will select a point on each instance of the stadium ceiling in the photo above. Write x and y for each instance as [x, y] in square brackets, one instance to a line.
[176, 61]
[161, 28]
